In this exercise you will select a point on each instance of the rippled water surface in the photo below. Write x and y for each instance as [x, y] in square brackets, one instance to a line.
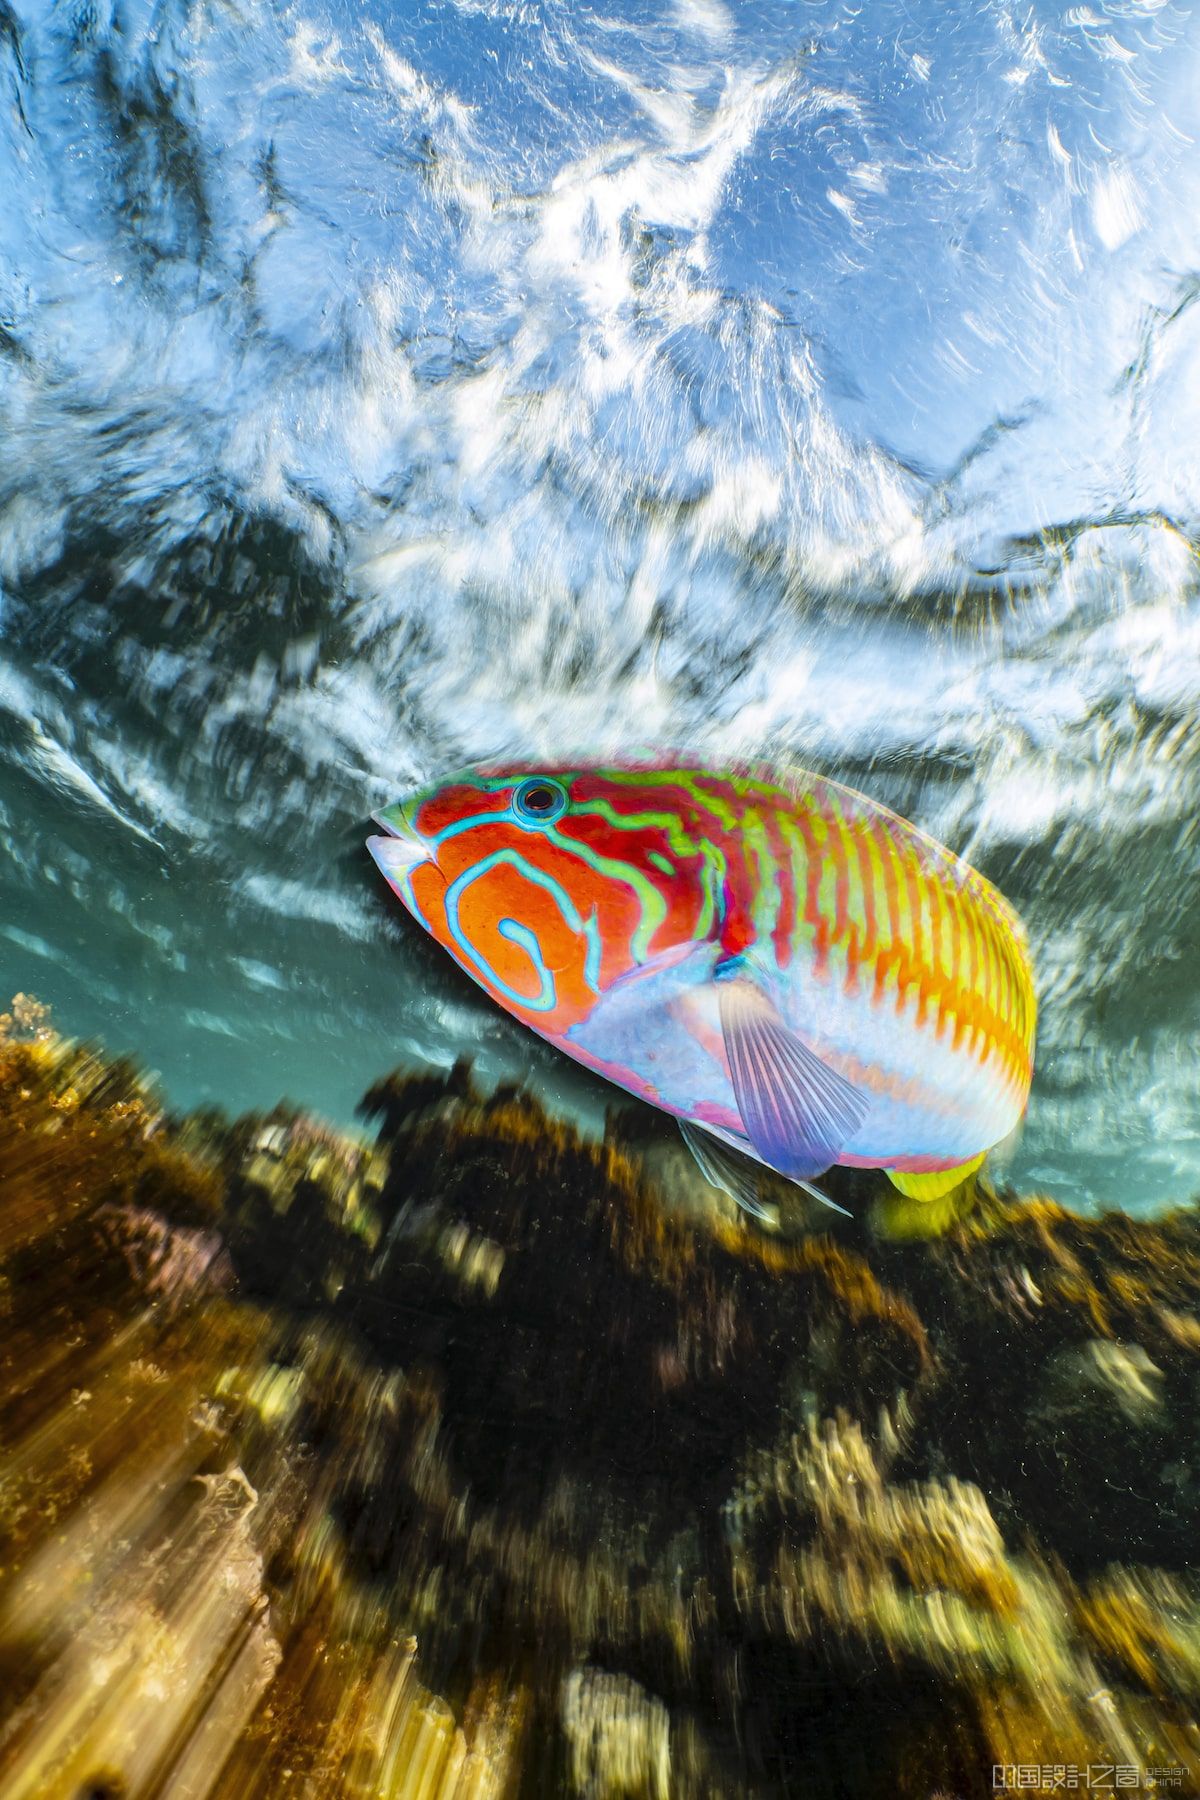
[383, 390]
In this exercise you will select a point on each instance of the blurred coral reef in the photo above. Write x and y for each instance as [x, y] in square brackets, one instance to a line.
[481, 1459]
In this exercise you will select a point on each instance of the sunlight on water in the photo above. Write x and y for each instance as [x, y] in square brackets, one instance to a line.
[384, 391]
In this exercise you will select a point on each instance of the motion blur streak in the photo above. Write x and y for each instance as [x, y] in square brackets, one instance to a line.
[385, 390]
[463, 1462]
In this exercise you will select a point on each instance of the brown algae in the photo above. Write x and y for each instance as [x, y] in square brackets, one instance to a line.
[455, 1463]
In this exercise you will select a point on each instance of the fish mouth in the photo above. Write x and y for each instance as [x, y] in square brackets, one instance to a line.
[401, 850]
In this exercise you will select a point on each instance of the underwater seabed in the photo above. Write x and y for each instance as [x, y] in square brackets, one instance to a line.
[479, 1459]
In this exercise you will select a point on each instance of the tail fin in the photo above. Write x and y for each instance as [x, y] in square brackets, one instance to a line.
[932, 1186]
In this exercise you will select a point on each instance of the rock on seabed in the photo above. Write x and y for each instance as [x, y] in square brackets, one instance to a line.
[461, 1462]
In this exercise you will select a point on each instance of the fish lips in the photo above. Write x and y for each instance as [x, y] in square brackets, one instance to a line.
[401, 850]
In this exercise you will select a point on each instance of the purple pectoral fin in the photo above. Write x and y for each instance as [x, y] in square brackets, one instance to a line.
[797, 1111]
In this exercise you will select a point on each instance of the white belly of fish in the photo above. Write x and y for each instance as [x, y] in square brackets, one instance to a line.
[925, 1098]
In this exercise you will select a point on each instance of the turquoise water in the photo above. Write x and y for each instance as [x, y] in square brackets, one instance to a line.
[387, 390]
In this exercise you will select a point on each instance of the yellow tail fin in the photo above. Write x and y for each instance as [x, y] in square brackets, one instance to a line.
[934, 1185]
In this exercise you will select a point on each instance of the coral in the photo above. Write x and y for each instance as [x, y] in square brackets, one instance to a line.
[28, 1021]
[453, 1461]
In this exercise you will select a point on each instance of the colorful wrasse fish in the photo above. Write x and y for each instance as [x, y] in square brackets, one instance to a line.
[797, 974]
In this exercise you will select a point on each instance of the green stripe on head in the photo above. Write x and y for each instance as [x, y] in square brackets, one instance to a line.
[651, 905]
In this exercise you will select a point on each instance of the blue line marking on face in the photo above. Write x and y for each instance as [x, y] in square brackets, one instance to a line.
[471, 824]
[507, 815]
[410, 900]
[521, 934]
[517, 933]
[591, 967]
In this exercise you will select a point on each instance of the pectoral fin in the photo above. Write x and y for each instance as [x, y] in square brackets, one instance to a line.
[933, 1185]
[797, 1112]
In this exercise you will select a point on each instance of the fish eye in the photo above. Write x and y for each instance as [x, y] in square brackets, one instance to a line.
[540, 801]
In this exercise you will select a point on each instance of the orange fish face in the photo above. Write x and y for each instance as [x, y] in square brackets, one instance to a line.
[547, 887]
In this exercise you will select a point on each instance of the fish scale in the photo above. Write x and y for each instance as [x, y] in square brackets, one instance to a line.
[854, 854]
[880, 985]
